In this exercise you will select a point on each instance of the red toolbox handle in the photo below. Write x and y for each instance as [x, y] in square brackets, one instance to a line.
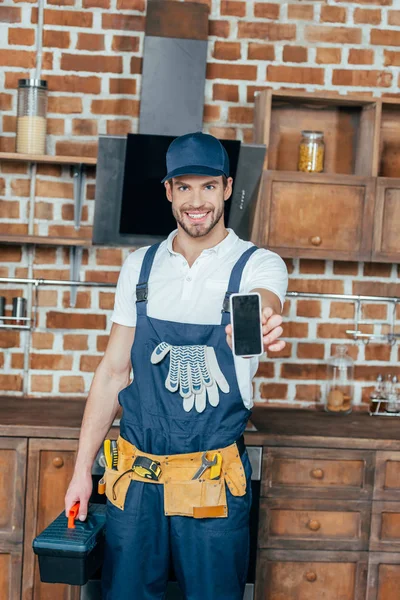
[73, 513]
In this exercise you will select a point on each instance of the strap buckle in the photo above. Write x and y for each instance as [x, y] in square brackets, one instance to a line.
[146, 467]
[225, 305]
[141, 292]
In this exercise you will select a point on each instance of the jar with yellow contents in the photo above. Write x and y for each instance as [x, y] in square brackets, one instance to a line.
[311, 152]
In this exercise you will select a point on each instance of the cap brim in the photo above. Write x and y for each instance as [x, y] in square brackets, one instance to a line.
[192, 170]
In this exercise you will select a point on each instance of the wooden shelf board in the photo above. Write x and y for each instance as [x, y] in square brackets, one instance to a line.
[44, 240]
[46, 158]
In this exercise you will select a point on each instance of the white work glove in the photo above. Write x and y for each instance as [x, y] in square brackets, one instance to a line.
[194, 371]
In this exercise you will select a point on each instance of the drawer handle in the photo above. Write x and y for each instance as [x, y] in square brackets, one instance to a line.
[311, 576]
[314, 525]
[58, 462]
[317, 474]
[316, 240]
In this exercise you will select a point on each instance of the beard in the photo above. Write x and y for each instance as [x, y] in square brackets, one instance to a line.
[196, 231]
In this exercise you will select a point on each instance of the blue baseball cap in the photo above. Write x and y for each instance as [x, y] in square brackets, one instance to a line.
[196, 154]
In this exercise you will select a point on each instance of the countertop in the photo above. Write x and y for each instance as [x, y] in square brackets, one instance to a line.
[61, 418]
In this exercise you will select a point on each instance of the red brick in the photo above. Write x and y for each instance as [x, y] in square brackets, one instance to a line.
[70, 148]
[260, 51]
[376, 288]
[54, 189]
[303, 371]
[13, 229]
[318, 286]
[240, 72]
[64, 320]
[84, 127]
[9, 209]
[53, 362]
[17, 360]
[120, 106]
[42, 340]
[101, 344]
[266, 31]
[92, 63]
[125, 43]
[232, 8]
[123, 86]
[119, 127]
[361, 57]
[44, 211]
[55, 126]
[296, 74]
[65, 18]
[71, 384]
[102, 276]
[109, 256]
[41, 383]
[44, 256]
[265, 369]
[352, 350]
[394, 17]
[392, 59]
[74, 84]
[75, 342]
[69, 230]
[308, 308]
[139, 5]
[312, 266]
[364, 15]
[383, 37]
[22, 58]
[311, 393]
[341, 310]
[220, 29]
[10, 14]
[48, 297]
[377, 269]
[83, 299]
[227, 93]
[50, 274]
[123, 22]
[310, 351]
[10, 254]
[64, 104]
[241, 114]
[376, 312]
[227, 50]
[371, 372]
[9, 339]
[333, 14]
[296, 54]
[285, 353]
[336, 35]
[96, 3]
[90, 41]
[336, 331]
[21, 37]
[378, 352]
[7, 144]
[224, 133]
[301, 12]
[89, 363]
[20, 188]
[345, 268]
[106, 300]
[9, 121]
[293, 329]
[381, 2]
[271, 391]
[266, 10]
[359, 77]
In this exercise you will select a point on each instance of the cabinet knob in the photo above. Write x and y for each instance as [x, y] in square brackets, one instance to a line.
[316, 240]
[317, 474]
[58, 462]
[313, 525]
[311, 576]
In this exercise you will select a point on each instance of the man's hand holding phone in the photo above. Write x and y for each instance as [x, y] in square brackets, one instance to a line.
[252, 328]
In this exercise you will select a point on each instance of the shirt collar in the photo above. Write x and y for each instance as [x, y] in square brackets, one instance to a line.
[220, 249]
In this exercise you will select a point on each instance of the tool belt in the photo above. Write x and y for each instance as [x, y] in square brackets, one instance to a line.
[184, 495]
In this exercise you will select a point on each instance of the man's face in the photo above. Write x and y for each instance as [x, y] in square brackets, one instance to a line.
[198, 202]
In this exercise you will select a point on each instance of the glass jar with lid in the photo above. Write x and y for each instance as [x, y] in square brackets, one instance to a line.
[311, 152]
[31, 117]
[340, 382]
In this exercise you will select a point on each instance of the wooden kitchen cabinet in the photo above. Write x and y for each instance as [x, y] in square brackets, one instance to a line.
[13, 453]
[383, 576]
[386, 242]
[299, 575]
[50, 468]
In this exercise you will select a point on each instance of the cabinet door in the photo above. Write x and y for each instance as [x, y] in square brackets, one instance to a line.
[13, 453]
[387, 476]
[316, 216]
[302, 575]
[50, 468]
[385, 527]
[386, 245]
[383, 576]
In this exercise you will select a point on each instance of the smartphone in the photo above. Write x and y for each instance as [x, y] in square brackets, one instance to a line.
[247, 338]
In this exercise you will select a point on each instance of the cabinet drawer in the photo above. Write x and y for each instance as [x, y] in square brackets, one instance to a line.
[385, 527]
[314, 524]
[387, 477]
[383, 576]
[316, 473]
[301, 575]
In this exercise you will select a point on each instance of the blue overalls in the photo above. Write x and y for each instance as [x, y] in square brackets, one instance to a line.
[209, 556]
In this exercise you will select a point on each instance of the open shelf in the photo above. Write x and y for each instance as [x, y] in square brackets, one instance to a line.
[349, 126]
[389, 151]
[44, 240]
[46, 158]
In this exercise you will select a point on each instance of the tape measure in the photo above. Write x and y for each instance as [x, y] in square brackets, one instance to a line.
[146, 467]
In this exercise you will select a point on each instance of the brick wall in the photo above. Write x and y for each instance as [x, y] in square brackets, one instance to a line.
[92, 61]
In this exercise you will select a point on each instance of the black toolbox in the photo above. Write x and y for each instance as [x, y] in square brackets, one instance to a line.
[72, 555]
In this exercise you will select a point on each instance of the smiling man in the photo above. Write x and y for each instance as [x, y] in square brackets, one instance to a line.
[181, 492]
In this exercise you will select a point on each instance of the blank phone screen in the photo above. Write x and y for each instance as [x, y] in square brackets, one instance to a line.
[246, 325]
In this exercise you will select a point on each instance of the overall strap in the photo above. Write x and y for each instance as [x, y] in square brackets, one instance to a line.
[142, 288]
[234, 283]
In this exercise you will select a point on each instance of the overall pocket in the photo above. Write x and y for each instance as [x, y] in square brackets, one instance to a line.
[198, 498]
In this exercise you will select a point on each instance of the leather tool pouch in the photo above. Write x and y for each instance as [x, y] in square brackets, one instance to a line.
[117, 484]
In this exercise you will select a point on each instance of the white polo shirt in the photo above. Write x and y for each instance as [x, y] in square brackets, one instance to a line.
[195, 294]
